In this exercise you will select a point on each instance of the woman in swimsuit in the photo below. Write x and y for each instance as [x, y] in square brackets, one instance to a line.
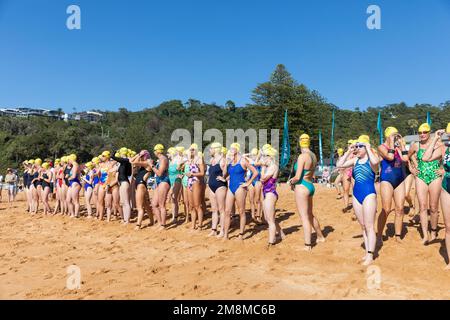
[104, 199]
[73, 194]
[256, 186]
[27, 182]
[142, 164]
[88, 187]
[57, 170]
[195, 185]
[304, 191]
[175, 175]
[36, 190]
[124, 173]
[184, 182]
[66, 174]
[428, 183]
[112, 190]
[409, 181]
[269, 175]
[46, 177]
[95, 183]
[237, 188]
[442, 153]
[364, 194]
[338, 181]
[162, 185]
[217, 188]
[347, 179]
[392, 176]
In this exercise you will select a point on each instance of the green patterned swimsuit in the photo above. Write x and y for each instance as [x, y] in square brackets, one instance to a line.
[427, 170]
[446, 179]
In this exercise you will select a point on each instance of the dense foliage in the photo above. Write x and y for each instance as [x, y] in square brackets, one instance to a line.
[309, 112]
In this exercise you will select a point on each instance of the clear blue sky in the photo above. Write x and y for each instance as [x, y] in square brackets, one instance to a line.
[138, 53]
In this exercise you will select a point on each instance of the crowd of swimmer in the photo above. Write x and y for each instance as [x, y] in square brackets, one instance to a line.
[390, 171]
[117, 184]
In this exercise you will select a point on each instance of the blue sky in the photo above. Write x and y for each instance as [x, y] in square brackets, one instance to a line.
[138, 53]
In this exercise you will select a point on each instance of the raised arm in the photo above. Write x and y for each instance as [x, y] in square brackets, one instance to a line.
[433, 151]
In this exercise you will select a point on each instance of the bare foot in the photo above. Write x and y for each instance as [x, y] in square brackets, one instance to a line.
[433, 235]
[321, 239]
[368, 260]
[212, 233]
[447, 267]
[138, 227]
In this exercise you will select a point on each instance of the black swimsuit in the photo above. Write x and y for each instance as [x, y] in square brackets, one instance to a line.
[45, 183]
[26, 179]
[214, 172]
[36, 182]
[67, 172]
[140, 175]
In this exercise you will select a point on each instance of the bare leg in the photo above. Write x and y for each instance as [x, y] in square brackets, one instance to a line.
[422, 195]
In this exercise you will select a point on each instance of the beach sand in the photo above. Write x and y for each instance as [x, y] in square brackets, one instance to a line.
[117, 262]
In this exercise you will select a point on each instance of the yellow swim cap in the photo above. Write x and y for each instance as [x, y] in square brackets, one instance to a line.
[123, 150]
[305, 141]
[38, 161]
[424, 127]
[271, 152]
[236, 146]
[193, 146]
[266, 146]
[57, 161]
[73, 157]
[364, 139]
[95, 160]
[216, 145]
[448, 128]
[224, 150]
[106, 154]
[340, 151]
[171, 151]
[31, 161]
[180, 149]
[390, 131]
[90, 165]
[45, 165]
[159, 147]
[254, 152]
[133, 153]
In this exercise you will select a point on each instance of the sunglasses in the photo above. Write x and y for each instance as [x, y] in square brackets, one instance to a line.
[359, 146]
[424, 132]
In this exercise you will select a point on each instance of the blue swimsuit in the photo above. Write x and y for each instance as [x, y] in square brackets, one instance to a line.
[364, 181]
[258, 168]
[237, 176]
[393, 171]
[87, 185]
[162, 178]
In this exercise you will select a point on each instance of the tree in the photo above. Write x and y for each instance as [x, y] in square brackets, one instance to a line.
[230, 105]
[413, 124]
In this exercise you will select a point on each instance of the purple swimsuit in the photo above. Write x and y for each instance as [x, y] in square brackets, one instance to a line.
[270, 186]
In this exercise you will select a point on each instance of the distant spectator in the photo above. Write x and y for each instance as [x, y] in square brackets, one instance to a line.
[11, 182]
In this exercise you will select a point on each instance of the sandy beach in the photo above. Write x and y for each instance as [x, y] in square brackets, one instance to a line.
[117, 262]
